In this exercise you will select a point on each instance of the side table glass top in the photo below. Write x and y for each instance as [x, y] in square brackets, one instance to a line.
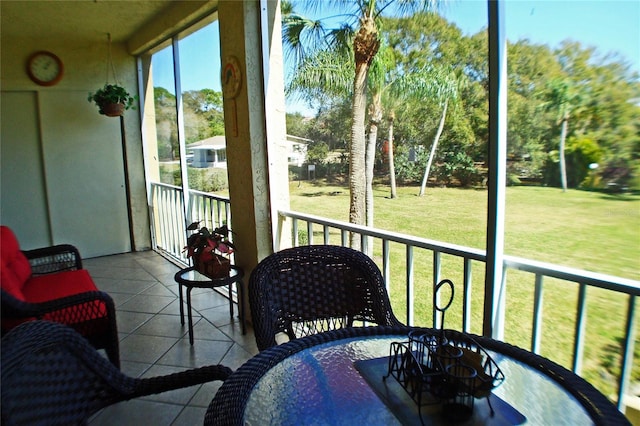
[321, 384]
[190, 274]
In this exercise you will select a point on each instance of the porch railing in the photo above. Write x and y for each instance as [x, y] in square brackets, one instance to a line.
[402, 259]
[324, 229]
[168, 223]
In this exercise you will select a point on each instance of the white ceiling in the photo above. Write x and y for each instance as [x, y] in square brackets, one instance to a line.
[79, 20]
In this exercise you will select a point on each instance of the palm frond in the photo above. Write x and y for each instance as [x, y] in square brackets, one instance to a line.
[428, 82]
[298, 33]
[401, 8]
[324, 73]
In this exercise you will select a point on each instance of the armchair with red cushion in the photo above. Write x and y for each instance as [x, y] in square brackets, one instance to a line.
[50, 284]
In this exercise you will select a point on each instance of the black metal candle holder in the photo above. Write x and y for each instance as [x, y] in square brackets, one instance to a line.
[444, 367]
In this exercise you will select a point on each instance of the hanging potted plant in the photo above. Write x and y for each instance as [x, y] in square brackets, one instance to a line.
[112, 100]
[210, 250]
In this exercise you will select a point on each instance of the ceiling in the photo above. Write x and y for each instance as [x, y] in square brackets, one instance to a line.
[79, 20]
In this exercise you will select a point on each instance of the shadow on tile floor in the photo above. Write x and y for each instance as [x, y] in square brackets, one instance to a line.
[153, 342]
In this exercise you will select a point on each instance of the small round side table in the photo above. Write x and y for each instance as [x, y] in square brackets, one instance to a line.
[190, 278]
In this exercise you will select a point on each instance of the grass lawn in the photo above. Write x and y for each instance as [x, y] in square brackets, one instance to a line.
[580, 229]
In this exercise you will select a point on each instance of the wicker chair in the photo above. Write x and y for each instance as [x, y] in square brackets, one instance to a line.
[311, 289]
[62, 291]
[51, 375]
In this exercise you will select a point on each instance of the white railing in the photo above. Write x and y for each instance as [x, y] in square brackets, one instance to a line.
[402, 259]
[168, 224]
[324, 229]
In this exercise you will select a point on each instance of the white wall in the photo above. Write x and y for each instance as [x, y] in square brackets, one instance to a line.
[62, 173]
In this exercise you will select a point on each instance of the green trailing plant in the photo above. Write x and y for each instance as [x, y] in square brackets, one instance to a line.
[112, 94]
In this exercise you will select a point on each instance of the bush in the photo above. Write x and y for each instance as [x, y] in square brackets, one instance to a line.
[317, 153]
[579, 153]
[459, 166]
[208, 180]
[409, 171]
[465, 171]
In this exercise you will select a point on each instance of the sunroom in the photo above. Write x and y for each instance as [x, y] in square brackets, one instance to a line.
[71, 175]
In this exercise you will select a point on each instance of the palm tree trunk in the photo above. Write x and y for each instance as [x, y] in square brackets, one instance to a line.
[357, 181]
[375, 116]
[392, 167]
[563, 164]
[365, 46]
[433, 149]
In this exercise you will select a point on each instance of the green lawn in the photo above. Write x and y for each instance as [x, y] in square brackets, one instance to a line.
[586, 230]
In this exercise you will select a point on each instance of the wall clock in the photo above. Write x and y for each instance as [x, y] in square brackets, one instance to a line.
[45, 68]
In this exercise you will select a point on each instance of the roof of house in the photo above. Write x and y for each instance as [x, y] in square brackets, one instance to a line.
[219, 142]
[214, 142]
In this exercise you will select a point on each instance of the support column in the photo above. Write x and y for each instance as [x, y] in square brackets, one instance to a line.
[493, 320]
[254, 124]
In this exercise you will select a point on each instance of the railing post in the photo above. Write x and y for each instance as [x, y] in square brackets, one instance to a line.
[310, 232]
[409, 264]
[294, 228]
[537, 315]
[437, 322]
[627, 353]
[578, 345]
[385, 265]
[466, 296]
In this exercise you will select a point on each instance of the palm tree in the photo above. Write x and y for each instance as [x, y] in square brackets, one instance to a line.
[428, 82]
[562, 98]
[362, 32]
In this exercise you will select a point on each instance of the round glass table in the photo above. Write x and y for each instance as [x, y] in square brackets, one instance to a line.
[336, 378]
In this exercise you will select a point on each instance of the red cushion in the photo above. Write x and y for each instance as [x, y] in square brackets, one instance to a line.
[10, 283]
[43, 288]
[14, 265]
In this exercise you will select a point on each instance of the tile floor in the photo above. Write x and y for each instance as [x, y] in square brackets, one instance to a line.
[153, 343]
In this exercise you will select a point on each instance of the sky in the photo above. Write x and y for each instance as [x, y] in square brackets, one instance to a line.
[608, 25]
[611, 26]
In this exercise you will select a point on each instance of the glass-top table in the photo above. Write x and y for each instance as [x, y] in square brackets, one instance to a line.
[318, 380]
[191, 278]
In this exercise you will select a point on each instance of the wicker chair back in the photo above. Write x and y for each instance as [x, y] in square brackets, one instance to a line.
[311, 289]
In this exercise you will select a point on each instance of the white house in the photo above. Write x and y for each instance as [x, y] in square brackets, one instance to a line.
[297, 150]
[212, 152]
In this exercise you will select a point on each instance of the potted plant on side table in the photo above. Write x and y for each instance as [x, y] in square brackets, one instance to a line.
[112, 100]
[210, 250]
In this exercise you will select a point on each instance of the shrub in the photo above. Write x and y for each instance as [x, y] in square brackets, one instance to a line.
[208, 180]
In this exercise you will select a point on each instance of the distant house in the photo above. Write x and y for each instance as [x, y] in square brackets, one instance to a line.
[297, 150]
[212, 152]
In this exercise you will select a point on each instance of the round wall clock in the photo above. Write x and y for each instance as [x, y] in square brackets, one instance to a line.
[231, 78]
[45, 68]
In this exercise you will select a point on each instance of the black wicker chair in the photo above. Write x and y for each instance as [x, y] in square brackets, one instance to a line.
[89, 311]
[311, 289]
[52, 375]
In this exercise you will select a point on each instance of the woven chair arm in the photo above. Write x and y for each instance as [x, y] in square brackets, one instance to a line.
[21, 309]
[46, 260]
[179, 380]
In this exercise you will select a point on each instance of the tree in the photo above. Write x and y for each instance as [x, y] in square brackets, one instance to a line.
[363, 33]
[562, 98]
[166, 124]
[433, 60]
[443, 88]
